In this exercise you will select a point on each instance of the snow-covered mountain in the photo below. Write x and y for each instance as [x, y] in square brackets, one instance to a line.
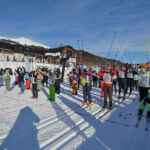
[25, 41]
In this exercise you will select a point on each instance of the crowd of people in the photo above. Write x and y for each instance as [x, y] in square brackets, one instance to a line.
[110, 79]
[35, 79]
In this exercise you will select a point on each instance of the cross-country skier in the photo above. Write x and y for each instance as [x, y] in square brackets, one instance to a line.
[85, 80]
[52, 96]
[115, 78]
[102, 71]
[144, 79]
[130, 81]
[34, 84]
[108, 86]
[74, 80]
[122, 76]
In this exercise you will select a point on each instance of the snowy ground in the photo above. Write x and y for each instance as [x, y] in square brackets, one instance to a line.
[32, 124]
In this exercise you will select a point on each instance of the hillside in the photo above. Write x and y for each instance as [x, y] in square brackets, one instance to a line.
[89, 59]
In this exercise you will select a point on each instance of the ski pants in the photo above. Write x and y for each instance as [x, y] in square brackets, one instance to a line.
[130, 83]
[52, 93]
[74, 89]
[79, 81]
[102, 88]
[86, 93]
[122, 85]
[108, 91]
[136, 85]
[34, 89]
[115, 84]
[94, 83]
[21, 86]
[57, 86]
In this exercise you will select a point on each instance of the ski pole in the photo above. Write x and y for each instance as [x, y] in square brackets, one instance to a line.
[137, 106]
[127, 114]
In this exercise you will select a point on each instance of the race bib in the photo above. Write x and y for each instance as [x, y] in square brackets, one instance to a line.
[114, 77]
[83, 81]
[130, 75]
[107, 78]
[144, 81]
[121, 74]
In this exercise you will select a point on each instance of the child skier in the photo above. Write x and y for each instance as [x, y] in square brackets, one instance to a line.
[52, 96]
[74, 80]
[85, 79]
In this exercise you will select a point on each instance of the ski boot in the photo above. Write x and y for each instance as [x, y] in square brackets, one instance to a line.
[85, 103]
[90, 104]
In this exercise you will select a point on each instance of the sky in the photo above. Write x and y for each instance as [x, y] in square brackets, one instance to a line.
[69, 22]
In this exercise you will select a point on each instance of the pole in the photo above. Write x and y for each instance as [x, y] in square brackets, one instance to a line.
[111, 44]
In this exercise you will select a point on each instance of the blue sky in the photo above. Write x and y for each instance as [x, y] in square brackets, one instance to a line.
[55, 22]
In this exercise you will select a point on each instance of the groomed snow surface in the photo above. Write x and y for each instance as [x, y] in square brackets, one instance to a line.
[33, 124]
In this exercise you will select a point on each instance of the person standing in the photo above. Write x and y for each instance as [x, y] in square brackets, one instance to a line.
[144, 84]
[74, 79]
[57, 81]
[115, 78]
[21, 73]
[130, 81]
[108, 86]
[34, 84]
[102, 71]
[52, 96]
[7, 73]
[85, 80]
[122, 76]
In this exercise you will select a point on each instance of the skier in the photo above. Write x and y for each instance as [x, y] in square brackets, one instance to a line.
[102, 71]
[21, 73]
[135, 78]
[78, 75]
[85, 80]
[95, 78]
[108, 86]
[28, 80]
[52, 96]
[39, 80]
[7, 73]
[34, 84]
[115, 78]
[57, 81]
[130, 81]
[144, 80]
[122, 81]
[74, 80]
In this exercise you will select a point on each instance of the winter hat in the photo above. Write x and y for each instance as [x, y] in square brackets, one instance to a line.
[144, 66]
[108, 68]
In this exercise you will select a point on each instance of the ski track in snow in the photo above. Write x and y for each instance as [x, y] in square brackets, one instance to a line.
[28, 123]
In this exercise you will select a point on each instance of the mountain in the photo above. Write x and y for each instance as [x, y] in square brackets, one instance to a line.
[25, 41]
[89, 59]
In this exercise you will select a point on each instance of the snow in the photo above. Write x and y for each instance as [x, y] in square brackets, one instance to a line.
[32, 124]
[25, 41]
